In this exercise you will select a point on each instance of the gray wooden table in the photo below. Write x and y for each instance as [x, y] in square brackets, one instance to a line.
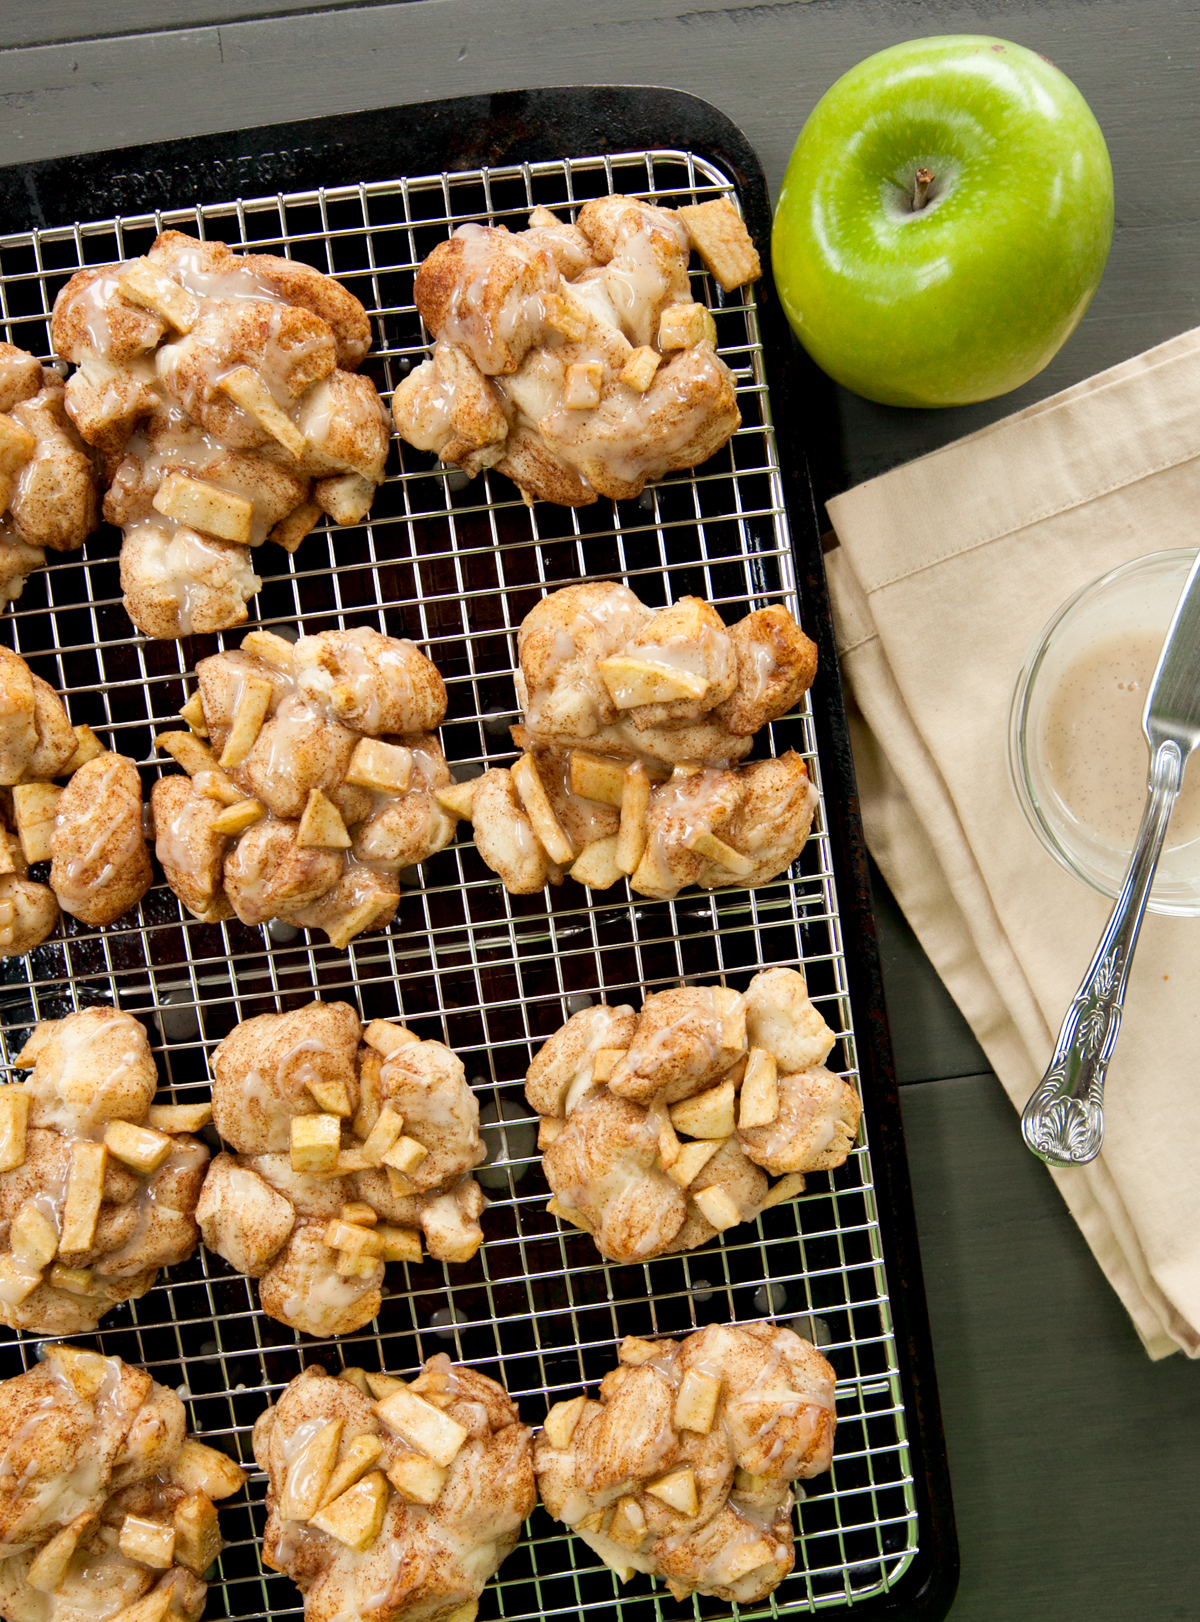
[1073, 1457]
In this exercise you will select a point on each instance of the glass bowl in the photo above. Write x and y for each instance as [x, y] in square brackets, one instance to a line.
[1092, 662]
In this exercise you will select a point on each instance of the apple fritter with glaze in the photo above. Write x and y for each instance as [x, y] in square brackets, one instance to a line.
[106, 1504]
[352, 1147]
[635, 724]
[573, 358]
[658, 1129]
[49, 489]
[391, 1500]
[90, 831]
[684, 1466]
[98, 1185]
[222, 395]
[312, 772]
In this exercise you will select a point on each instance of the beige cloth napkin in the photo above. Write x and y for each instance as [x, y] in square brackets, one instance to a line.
[947, 569]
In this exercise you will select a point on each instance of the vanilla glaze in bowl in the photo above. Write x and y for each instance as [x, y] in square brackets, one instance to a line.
[1078, 757]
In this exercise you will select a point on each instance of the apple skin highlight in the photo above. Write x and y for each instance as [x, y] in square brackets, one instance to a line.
[974, 291]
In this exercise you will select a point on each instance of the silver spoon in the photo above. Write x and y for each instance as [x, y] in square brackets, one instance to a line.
[1063, 1122]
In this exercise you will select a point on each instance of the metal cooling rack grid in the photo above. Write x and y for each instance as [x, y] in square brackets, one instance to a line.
[490, 974]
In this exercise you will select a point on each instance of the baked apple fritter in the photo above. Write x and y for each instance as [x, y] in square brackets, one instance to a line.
[351, 1145]
[90, 831]
[573, 358]
[684, 1467]
[106, 1504]
[99, 1185]
[221, 393]
[393, 1500]
[49, 490]
[658, 1128]
[313, 768]
[635, 721]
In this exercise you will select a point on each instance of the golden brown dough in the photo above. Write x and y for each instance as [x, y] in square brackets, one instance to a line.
[684, 1467]
[426, 1534]
[655, 1125]
[101, 866]
[380, 1162]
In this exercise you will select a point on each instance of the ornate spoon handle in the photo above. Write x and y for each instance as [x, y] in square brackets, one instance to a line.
[1063, 1122]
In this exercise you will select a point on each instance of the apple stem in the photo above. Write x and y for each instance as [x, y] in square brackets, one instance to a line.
[921, 184]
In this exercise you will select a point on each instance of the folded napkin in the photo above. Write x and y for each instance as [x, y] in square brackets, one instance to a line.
[947, 569]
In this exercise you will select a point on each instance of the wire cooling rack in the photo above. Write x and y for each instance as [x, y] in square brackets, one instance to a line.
[456, 566]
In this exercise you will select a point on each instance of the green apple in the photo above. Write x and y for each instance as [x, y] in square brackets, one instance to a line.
[944, 221]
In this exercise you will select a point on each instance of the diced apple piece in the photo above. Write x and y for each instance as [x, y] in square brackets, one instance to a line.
[348, 1236]
[84, 1370]
[400, 1244]
[142, 282]
[421, 1425]
[87, 747]
[382, 1136]
[683, 326]
[550, 1129]
[205, 507]
[635, 804]
[85, 1184]
[718, 234]
[596, 865]
[357, 1378]
[677, 1490]
[360, 1456]
[385, 1036]
[634, 1351]
[330, 1093]
[32, 1238]
[628, 1525]
[10, 849]
[582, 385]
[606, 1061]
[457, 798]
[632, 681]
[591, 1523]
[718, 1207]
[292, 529]
[235, 819]
[404, 1154]
[691, 1161]
[35, 806]
[668, 1144]
[16, 1282]
[350, 1265]
[359, 1212]
[75, 1280]
[193, 713]
[382, 1385]
[696, 1402]
[178, 1117]
[198, 1539]
[378, 765]
[706, 1115]
[562, 1419]
[140, 1148]
[759, 1102]
[638, 371]
[274, 650]
[418, 1479]
[564, 315]
[14, 1124]
[246, 388]
[322, 824]
[356, 1517]
[358, 919]
[533, 796]
[308, 1473]
[397, 1182]
[785, 1189]
[315, 1142]
[49, 1565]
[150, 1543]
[596, 778]
[190, 752]
[705, 843]
[250, 711]
[200, 1468]
[370, 1093]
